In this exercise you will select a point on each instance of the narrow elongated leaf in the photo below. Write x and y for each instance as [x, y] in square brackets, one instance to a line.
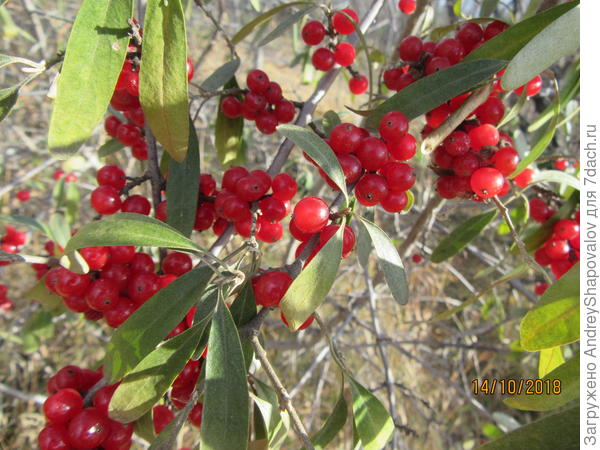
[549, 359]
[513, 112]
[373, 423]
[37, 327]
[243, 309]
[556, 176]
[461, 236]
[93, 60]
[59, 229]
[182, 188]
[277, 422]
[261, 19]
[313, 284]
[555, 319]
[488, 7]
[543, 50]
[6, 60]
[152, 321]
[163, 76]
[225, 415]
[389, 260]
[560, 430]
[141, 389]
[285, 24]
[50, 301]
[72, 202]
[8, 99]
[553, 394]
[433, 90]
[318, 150]
[222, 75]
[130, 229]
[508, 43]
[109, 147]
[228, 134]
[27, 221]
[333, 425]
[330, 121]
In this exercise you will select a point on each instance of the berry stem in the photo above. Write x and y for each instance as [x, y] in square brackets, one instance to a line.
[522, 249]
[431, 142]
[284, 398]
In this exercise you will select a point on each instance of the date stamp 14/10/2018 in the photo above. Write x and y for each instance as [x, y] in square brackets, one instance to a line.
[513, 386]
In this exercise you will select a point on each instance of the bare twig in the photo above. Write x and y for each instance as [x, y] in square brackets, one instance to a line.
[416, 229]
[217, 25]
[284, 397]
[37, 399]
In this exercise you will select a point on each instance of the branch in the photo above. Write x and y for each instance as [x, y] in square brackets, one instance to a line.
[522, 250]
[218, 27]
[414, 232]
[437, 136]
[284, 397]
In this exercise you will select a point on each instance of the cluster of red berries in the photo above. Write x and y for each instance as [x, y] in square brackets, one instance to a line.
[126, 99]
[6, 304]
[407, 6]
[119, 281]
[262, 102]
[12, 241]
[336, 52]
[473, 162]
[240, 189]
[71, 424]
[59, 174]
[561, 250]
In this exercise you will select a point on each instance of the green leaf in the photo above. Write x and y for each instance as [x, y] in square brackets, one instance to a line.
[93, 60]
[457, 8]
[144, 427]
[508, 43]
[50, 301]
[167, 439]
[438, 33]
[228, 134]
[560, 431]
[37, 327]
[60, 231]
[109, 147]
[333, 425]
[433, 90]
[27, 221]
[182, 188]
[151, 322]
[550, 359]
[543, 50]
[8, 99]
[542, 400]
[277, 422]
[243, 310]
[555, 318]
[310, 288]
[462, 235]
[72, 202]
[225, 416]
[330, 121]
[130, 229]
[318, 150]
[285, 24]
[6, 60]
[163, 76]
[264, 17]
[515, 110]
[364, 245]
[221, 76]
[488, 7]
[373, 423]
[145, 385]
[556, 176]
[388, 259]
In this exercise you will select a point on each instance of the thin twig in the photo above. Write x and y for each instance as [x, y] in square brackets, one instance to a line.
[284, 397]
[434, 202]
[522, 250]
[218, 27]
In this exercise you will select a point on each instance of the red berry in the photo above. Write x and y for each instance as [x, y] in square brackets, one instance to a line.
[95, 257]
[136, 204]
[342, 24]
[136, 116]
[540, 288]
[491, 111]
[250, 188]
[344, 54]
[285, 111]
[128, 134]
[469, 34]
[106, 200]
[417, 258]
[452, 49]
[371, 189]
[533, 86]
[561, 164]
[273, 94]
[493, 29]
[506, 160]
[297, 233]
[160, 212]
[257, 81]
[119, 437]
[372, 153]
[524, 177]
[457, 143]
[345, 138]
[63, 405]
[566, 229]
[541, 257]
[399, 176]
[313, 32]
[445, 187]
[231, 177]
[393, 126]
[349, 238]
[407, 6]
[465, 165]
[208, 185]
[410, 48]
[358, 85]
[270, 288]
[71, 283]
[177, 263]
[140, 150]
[118, 273]
[311, 214]
[189, 68]
[486, 182]
[195, 416]
[161, 417]
[304, 325]
[557, 249]
[54, 437]
[268, 230]
[111, 124]
[205, 216]
[102, 294]
[435, 64]
[88, 429]
[254, 102]
[539, 210]
[142, 286]
[103, 396]
[23, 195]
[142, 262]
[351, 166]
[272, 208]
[68, 377]
[266, 122]
[483, 136]
[231, 107]
[284, 187]
[323, 59]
